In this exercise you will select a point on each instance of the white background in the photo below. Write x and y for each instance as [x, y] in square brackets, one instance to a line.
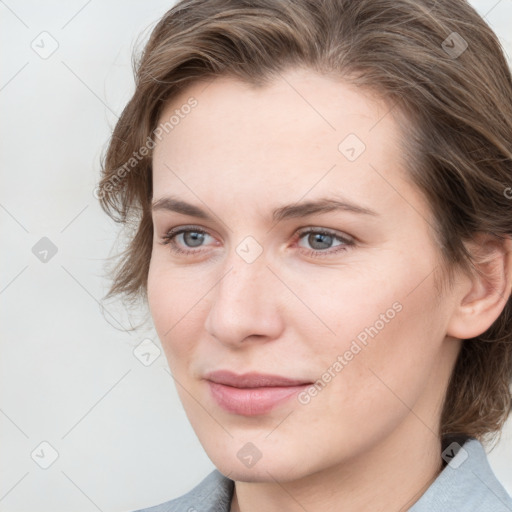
[68, 373]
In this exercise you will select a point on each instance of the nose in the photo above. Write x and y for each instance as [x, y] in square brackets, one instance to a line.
[245, 304]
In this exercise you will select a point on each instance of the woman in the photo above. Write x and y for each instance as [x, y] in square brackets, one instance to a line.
[321, 195]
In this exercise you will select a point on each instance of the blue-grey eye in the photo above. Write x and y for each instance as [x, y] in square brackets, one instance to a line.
[319, 241]
[192, 238]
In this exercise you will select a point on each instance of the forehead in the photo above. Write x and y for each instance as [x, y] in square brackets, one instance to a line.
[302, 134]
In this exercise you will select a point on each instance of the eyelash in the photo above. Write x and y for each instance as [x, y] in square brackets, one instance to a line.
[346, 242]
[170, 239]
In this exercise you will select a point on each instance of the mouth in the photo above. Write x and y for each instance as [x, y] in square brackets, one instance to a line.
[252, 394]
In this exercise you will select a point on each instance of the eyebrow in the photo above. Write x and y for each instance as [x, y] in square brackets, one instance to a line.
[322, 205]
[175, 205]
[303, 209]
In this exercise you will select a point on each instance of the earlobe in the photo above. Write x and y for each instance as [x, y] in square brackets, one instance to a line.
[482, 296]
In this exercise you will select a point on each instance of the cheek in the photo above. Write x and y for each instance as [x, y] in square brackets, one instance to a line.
[178, 308]
[386, 320]
[384, 359]
[335, 306]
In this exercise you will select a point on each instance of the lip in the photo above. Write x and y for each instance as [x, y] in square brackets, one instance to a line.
[252, 394]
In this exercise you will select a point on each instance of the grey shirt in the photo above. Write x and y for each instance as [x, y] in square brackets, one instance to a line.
[466, 484]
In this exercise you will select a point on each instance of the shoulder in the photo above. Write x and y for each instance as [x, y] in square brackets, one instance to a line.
[213, 494]
[466, 484]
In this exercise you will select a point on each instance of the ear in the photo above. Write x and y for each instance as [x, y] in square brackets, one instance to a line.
[482, 296]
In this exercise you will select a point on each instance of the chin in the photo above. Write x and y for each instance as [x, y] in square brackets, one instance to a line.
[273, 467]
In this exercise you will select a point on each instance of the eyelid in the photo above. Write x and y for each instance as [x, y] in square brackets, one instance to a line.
[169, 238]
[326, 231]
[347, 242]
[187, 227]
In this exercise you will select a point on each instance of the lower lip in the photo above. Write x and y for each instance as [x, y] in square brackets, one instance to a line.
[252, 401]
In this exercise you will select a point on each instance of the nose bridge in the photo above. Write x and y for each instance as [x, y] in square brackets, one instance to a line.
[243, 303]
[244, 288]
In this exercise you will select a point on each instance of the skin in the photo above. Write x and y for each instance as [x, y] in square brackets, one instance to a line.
[240, 154]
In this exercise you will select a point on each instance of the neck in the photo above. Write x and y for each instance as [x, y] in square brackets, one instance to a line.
[392, 475]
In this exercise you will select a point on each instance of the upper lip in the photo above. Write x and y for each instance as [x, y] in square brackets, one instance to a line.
[252, 380]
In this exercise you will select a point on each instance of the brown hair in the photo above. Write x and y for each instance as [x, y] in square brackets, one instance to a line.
[458, 102]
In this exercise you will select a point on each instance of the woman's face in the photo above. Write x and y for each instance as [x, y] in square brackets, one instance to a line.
[295, 298]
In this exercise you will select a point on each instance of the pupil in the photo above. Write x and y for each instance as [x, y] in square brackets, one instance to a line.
[193, 238]
[320, 240]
